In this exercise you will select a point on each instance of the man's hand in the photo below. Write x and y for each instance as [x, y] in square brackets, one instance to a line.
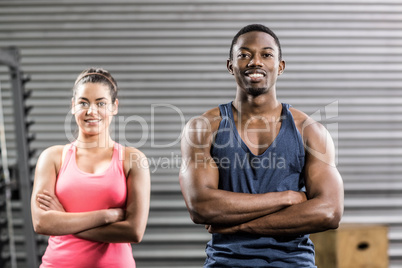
[294, 197]
[222, 229]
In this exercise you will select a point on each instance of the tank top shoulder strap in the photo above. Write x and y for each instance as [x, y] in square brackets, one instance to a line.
[286, 106]
[286, 115]
[119, 155]
[68, 151]
[289, 123]
[224, 109]
[225, 112]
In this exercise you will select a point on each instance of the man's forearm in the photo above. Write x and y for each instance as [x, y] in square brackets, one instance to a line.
[308, 217]
[229, 208]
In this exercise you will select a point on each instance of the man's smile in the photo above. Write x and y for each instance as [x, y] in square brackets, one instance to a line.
[255, 74]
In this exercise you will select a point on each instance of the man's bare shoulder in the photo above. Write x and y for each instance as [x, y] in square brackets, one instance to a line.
[307, 126]
[298, 116]
[200, 130]
[208, 121]
[212, 115]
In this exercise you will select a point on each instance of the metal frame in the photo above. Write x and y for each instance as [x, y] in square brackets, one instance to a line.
[11, 57]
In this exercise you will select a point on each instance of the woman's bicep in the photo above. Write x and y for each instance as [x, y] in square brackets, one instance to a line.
[138, 193]
[45, 179]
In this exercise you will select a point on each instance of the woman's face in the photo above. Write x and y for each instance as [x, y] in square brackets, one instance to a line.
[93, 108]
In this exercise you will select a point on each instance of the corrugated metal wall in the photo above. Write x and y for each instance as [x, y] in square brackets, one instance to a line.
[344, 63]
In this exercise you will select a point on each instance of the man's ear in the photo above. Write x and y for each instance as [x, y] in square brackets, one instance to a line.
[229, 66]
[281, 68]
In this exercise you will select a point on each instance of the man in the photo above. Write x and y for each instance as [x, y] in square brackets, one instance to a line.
[259, 174]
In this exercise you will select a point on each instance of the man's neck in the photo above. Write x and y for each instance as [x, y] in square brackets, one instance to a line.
[264, 104]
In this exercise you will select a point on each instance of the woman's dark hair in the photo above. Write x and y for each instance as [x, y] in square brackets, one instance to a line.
[97, 75]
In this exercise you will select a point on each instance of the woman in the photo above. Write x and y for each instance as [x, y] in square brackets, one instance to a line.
[91, 196]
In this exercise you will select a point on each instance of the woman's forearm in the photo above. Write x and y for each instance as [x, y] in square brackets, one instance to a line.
[119, 232]
[130, 230]
[63, 223]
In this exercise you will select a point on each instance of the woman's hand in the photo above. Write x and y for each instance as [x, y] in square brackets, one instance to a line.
[48, 201]
[115, 215]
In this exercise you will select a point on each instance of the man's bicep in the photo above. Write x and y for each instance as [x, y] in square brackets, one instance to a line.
[322, 180]
[200, 170]
[322, 176]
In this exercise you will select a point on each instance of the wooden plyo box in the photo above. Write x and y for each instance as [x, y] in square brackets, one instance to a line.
[352, 246]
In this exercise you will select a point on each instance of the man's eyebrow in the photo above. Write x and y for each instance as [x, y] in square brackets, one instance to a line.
[246, 48]
[98, 99]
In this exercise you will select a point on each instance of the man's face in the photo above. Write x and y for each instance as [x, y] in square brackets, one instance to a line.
[256, 63]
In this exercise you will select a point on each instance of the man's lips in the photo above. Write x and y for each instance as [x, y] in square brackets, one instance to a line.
[255, 74]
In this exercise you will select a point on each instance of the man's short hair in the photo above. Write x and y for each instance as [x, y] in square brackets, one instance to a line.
[257, 28]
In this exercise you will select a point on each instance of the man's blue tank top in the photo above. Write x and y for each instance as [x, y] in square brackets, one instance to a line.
[279, 168]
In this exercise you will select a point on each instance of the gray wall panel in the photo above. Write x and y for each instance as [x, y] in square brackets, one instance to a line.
[342, 53]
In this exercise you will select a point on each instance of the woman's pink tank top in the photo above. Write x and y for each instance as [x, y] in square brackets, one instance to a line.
[79, 191]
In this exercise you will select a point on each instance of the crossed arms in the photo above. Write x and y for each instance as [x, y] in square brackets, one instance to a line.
[268, 214]
[108, 225]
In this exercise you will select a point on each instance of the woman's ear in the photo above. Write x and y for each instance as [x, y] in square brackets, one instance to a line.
[229, 66]
[115, 107]
[72, 106]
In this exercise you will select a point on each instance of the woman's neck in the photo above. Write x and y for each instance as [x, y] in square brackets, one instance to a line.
[94, 141]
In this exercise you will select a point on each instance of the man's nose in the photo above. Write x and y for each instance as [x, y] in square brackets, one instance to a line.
[256, 60]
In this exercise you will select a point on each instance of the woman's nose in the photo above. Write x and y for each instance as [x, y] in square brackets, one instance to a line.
[92, 109]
